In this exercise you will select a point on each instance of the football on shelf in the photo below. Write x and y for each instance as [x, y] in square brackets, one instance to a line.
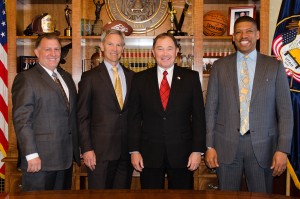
[119, 25]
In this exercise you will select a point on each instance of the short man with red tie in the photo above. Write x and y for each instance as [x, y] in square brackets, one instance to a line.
[166, 122]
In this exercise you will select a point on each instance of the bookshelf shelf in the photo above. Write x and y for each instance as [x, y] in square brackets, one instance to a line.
[217, 38]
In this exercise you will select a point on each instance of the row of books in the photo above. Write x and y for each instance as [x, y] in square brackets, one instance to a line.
[140, 59]
[137, 59]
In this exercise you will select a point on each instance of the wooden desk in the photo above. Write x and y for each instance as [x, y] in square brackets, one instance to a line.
[144, 194]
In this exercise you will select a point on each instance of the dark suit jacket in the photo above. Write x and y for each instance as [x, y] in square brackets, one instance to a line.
[270, 118]
[42, 122]
[102, 124]
[179, 130]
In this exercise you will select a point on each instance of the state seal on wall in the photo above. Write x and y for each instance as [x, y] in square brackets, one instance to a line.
[141, 15]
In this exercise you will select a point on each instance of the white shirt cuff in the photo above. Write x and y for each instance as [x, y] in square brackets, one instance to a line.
[134, 152]
[32, 156]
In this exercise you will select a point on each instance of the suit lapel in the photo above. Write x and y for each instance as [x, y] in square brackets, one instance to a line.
[46, 77]
[232, 77]
[70, 84]
[128, 84]
[174, 87]
[153, 86]
[259, 74]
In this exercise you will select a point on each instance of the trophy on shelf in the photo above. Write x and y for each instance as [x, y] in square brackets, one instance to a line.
[97, 26]
[175, 25]
[173, 19]
[68, 12]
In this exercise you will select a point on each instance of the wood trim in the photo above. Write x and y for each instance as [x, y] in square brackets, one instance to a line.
[264, 26]
[76, 40]
[198, 35]
[12, 68]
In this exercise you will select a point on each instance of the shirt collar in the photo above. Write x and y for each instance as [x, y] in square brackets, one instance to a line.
[169, 70]
[48, 70]
[251, 56]
[109, 66]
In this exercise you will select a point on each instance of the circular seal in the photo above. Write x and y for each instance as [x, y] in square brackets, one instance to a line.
[141, 15]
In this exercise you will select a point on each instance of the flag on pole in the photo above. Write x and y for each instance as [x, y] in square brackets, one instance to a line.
[3, 88]
[286, 47]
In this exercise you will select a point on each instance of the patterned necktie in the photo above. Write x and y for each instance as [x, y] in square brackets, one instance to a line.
[118, 86]
[164, 90]
[63, 93]
[244, 97]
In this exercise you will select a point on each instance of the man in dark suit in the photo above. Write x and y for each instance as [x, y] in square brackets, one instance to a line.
[166, 121]
[45, 120]
[102, 117]
[248, 114]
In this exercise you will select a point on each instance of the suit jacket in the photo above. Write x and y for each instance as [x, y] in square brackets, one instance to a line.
[42, 122]
[176, 132]
[102, 124]
[270, 117]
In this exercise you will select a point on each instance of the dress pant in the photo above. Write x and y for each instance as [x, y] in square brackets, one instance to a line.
[178, 178]
[153, 178]
[230, 176]
[47, 180]
[115, 174]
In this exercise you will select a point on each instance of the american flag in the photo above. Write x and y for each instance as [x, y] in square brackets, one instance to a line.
[3, 88]
[281, 40]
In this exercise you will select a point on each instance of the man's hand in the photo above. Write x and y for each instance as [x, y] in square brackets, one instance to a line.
[137, 161]
[89, 159]
[34, 165]
[211, 158]
[194, 161]
[279, 163]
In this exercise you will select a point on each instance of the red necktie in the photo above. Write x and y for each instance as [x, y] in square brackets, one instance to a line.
[164, 90]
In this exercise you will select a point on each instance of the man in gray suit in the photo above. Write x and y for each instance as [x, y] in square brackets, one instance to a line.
[252, 141]
[102, 117]
[44, 117]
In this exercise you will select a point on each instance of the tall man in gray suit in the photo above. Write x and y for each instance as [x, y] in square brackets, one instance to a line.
[248, 115]
[102, 117]
[44, 117]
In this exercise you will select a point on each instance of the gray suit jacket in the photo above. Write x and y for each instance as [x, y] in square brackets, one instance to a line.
[270, 118]
[102, 124]
[42, 122]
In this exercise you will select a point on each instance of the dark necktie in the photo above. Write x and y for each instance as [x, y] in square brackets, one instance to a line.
[164, 90]
[54, 75]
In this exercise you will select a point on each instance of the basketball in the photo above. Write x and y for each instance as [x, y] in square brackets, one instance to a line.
[214, 23]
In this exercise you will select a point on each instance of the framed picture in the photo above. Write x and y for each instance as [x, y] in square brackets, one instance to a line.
[236, 12]
[26, 62]
[207, 64]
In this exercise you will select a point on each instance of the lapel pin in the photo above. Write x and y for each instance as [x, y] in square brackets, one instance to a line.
[178, 78]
